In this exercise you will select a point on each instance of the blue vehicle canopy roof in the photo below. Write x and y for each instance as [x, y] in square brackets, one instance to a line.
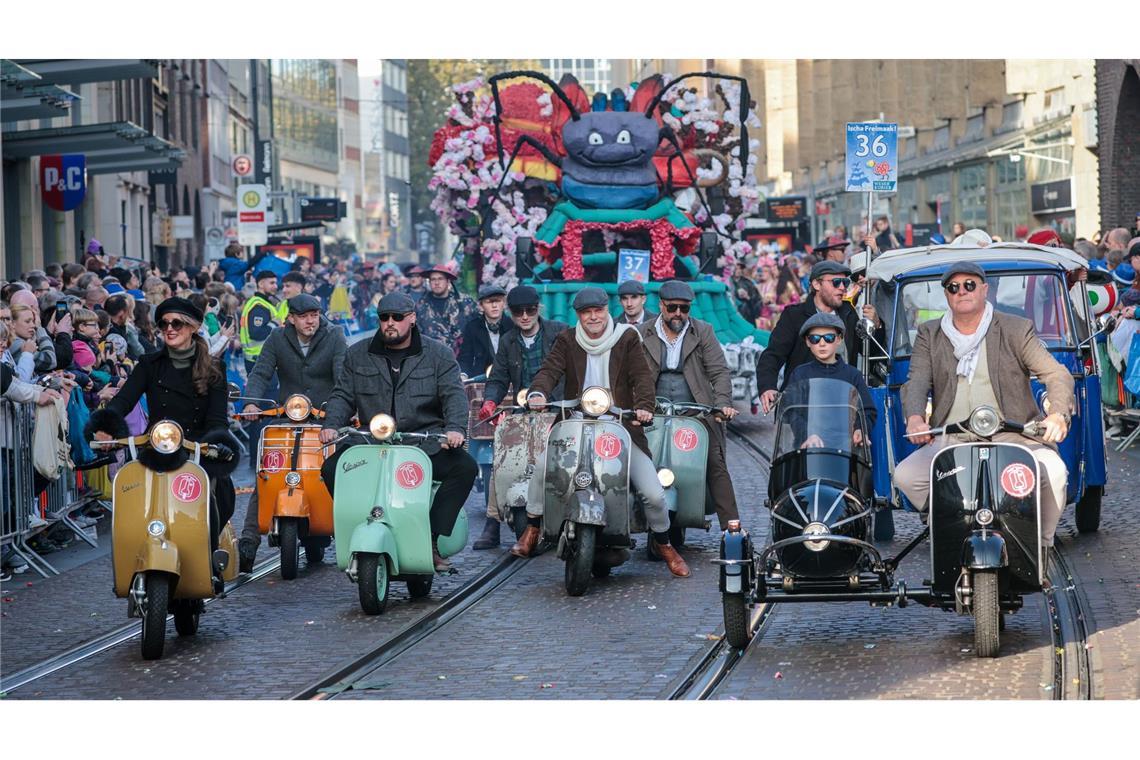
[937, 257]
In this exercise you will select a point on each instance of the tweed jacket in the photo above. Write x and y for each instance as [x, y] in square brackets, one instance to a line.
[702, 361]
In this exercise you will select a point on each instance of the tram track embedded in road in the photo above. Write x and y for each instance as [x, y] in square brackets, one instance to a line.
[115, 637]
[1072, 671]
[347, 675]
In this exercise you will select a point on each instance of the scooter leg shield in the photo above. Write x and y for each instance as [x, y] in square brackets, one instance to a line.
[158, 554]
[376, 538]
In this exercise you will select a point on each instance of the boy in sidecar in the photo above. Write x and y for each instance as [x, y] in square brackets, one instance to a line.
[823, 333]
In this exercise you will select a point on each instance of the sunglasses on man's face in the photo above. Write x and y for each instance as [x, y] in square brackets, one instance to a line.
[529, 311]
[675, 307]
[392, 317]
[171, 324]
[828, 338]
[969, 285]
[841, 282]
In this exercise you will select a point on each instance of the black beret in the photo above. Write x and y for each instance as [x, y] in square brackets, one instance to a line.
[631, 288]
[522, 295]
[588, 298]
[176, 305]
[675, 290]
[396, 303]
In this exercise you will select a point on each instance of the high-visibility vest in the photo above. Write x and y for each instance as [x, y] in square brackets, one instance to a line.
[250, 348]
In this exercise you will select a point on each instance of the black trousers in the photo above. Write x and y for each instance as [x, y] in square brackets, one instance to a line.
[455, 469]
[222, 501]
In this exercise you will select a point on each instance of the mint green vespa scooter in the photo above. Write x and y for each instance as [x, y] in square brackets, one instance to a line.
[381, 520]
[679, 444]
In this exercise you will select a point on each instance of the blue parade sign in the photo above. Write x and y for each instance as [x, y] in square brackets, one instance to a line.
[872, 157]
[63, 180]
[633, 264]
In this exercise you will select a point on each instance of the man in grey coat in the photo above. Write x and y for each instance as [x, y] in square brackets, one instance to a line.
[306, 355]
[972, 356]
[688, 365]
[415, 380]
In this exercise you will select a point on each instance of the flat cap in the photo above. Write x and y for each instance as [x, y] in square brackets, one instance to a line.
[522, 295]
[588, 298]
[631, 288]
[303, 302]
[675, 290]
[963, 267]
[396, 303]
[825, 268]
[490, 291]
[265, 274]
[822, 319]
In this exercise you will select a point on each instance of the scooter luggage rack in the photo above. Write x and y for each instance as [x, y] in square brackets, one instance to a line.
[288, 449]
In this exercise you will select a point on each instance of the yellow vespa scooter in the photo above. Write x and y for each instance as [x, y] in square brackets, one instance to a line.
[160, 532]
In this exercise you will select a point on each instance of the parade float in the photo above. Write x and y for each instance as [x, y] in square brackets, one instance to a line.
[548, 186]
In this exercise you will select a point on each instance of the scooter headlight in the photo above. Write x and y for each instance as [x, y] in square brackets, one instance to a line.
[666, 476]
[816, 529]
[293, 479]
[984, 516]
[166, 437]
[382, 427]
[984, 421]
[297, 407]
[156, 528]
[596, 401]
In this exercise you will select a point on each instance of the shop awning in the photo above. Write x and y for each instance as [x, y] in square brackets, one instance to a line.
[114, 147]
[25, 95]
[84, 70]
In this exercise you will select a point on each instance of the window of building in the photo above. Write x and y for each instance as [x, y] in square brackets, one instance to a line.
[939, 199]
[905, 200]
[1011, 116]
[1011, 199]
[941, 139]
[972, 196]
[975, 128]
[1041, 169]
[1055, 101]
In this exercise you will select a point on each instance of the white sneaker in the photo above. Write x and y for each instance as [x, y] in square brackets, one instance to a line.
[37, 522]
[18, 565]
[83, 522]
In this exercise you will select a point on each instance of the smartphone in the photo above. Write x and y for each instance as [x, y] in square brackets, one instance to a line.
[60, 310]
[228, 321]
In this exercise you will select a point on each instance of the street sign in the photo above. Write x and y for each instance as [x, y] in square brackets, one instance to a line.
[63, 180]
[263, 154]
[183, 227]
[253, 228]
[215, 243]
[790, 209]
[320, 210]
[242, 165]
[872, 157]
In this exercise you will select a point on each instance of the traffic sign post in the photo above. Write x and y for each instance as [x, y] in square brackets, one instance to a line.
[242, 166]
[872, 161]
[253, 227]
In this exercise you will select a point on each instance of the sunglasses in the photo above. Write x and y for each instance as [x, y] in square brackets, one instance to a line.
[675, 307]
[172, 324]
[392, 317]
[829, 338]
[969, 285]
[841, 282]
[86, 324]
[529, 311]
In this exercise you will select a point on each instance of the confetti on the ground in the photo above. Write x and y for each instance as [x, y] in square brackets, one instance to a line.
[548, 686]
[652, 607]
[779, 674]
[518, 678]
[868, 646]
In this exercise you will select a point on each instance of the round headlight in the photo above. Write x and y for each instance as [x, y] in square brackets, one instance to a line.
[984, 421]
[293, 479]
[666, 476]
[984, 516]
[583, 479]
[156, 527]
[520, 397]
[166, 437]
[297, 407]
[816, 529]
[596, 400]
[382, 427]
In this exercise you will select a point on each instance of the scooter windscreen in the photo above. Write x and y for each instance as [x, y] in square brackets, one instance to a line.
[820, 413]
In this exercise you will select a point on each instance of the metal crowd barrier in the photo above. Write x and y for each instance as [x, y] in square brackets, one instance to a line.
[24, 513]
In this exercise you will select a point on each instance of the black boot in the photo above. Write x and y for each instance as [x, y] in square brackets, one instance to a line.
[490, 537]
[247, 553]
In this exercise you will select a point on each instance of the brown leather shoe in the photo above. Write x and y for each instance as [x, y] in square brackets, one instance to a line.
[526, 543]
[676, 565]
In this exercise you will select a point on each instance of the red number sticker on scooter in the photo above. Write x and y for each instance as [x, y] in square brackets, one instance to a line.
[409, 475]
[273, 460]
[1018, 480]
[607, 446]
[186, 487]
[685, 439]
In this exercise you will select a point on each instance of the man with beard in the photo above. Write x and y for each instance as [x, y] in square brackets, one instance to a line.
[442, 313]
[688, 364]
[306, 355]
[415, 379]
[829, 283]
[599, 352]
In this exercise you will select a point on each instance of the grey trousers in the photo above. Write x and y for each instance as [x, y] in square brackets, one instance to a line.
[249, 528]
[643, 478]
[912, 475]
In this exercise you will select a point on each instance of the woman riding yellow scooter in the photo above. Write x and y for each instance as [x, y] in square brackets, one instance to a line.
[183, 384]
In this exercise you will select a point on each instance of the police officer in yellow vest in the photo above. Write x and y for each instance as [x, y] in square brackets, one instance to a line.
[260, 315]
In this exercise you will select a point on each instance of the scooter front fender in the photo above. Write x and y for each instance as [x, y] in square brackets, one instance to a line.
[374, 537]
[587, 507]
[735, 562]
[158, 554]
[985, 551]
[292, 502]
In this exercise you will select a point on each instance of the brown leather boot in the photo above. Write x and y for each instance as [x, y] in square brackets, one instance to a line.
[676, 565]
[526, 543]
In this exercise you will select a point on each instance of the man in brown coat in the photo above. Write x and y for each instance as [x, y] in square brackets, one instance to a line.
[598, 352]
[686, 359]
[973, 356]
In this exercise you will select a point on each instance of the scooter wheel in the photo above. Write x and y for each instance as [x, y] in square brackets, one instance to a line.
[735, 620]
[581, 560]
[372, 582]
[154, 618]
[418, 588]
[287, 538]
[186, 612]
[987, 614]
[314, 552]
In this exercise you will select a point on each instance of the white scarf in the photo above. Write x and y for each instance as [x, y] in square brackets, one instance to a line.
[966, 347]
[598, 349]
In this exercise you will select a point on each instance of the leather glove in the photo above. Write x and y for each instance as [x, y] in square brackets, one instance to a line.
[487, 409]
[223, 453]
